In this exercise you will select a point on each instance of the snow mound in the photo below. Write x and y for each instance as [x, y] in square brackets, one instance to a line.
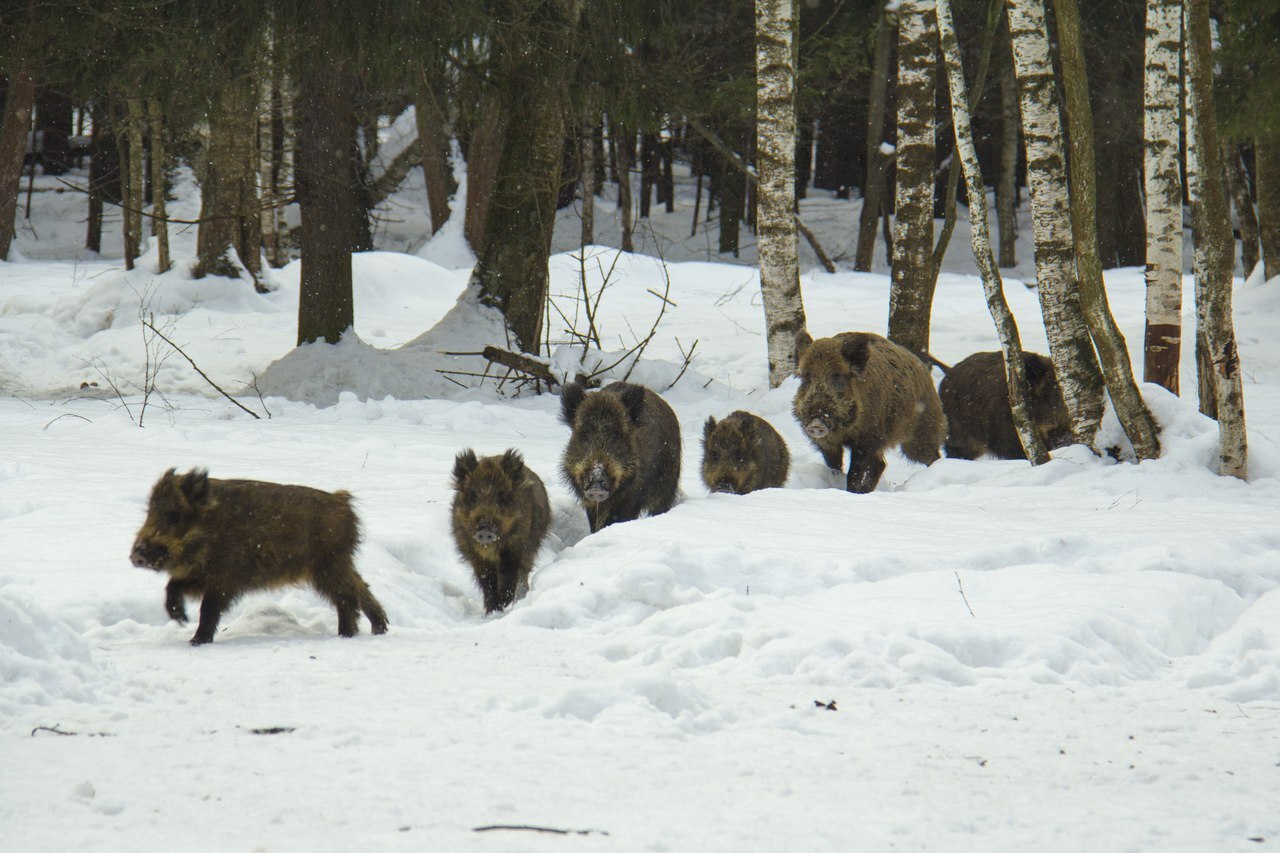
[41, 658]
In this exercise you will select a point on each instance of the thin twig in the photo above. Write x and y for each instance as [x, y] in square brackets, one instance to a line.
[197, 369]
[527, 828]
[965, 597]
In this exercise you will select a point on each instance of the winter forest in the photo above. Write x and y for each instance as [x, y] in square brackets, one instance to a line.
[666, 425]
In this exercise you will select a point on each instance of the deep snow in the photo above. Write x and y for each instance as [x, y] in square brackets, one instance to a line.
[1084, 655]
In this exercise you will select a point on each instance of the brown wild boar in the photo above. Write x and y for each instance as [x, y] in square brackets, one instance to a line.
[223, 538]
[742, 453]
[623, 457]
[863, 392]
[500, 516]
[975, 399]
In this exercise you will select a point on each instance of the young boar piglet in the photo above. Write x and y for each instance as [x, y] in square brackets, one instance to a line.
[623, 457]
[975, 399]
[220, 539]
[500, 516]
[742, 453]
[863, 392]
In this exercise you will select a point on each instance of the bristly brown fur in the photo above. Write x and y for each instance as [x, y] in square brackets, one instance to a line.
[863, 392]
[500, 516]
[975, 399]
[742, 453]
[623, 457]
[220, 539]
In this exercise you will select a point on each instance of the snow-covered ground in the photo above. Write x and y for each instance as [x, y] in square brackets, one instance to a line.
[978, 655]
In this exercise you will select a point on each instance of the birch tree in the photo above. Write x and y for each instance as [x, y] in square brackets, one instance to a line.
[1215, 253]
[913, 281]
[993, 287]
[1163, 186]
[1069, 344]
[1113, 354]
[776, 24]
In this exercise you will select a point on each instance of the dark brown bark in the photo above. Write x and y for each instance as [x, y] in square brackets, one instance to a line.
[874, 185]
[536, 62]
[14, 126]
[159, 227]
[623, 157]
[437, 170]
[104, 175]
[1238, 186]
[53, 117]
[482, 164]
[229, 207]
[732, 186]
[329, 193]
[1267, 164]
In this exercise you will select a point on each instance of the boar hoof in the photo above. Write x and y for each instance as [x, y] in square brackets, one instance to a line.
[199, 640]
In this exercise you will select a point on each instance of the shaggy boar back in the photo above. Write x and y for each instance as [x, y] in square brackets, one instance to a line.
[742, 453]
[975, 398]
[500, 516]
[220, 539]
[623, 457]
[863, 392]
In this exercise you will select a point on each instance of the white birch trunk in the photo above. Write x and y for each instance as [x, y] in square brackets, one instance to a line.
[1163, 187]
[911, 292]
[776, 22]
[993, 287]
[1215, 253]
[1069, 345]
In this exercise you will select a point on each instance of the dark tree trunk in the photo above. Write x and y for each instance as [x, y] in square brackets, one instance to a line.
[437, 168]
[1237, 180]
[53, 115]
[1267, 168]
[511, 269]
[104, 175]
[624, 150]
[229, 212]
[732, 186]
[648, 171]
[875, 185]
[483, 152]
[330, 197]
[804, 155]
[14, 126]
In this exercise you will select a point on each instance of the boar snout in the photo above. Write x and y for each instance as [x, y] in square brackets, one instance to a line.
[147, 556]
[816, 428]
[486, 533]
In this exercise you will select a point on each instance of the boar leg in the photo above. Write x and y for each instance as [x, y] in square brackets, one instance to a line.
[342, 586]
[372, 609]
[175, 595]
[833, 456]
[865, 468]
[211, 607]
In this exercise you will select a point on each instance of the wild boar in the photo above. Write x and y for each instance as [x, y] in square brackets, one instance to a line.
[220, 539]
[975, 399]
[863, 392]
[500, 516]
[623, 457]
[742, 453]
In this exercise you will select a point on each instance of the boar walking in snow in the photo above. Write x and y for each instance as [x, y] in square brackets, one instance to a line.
[742, 453]
[500, 516]
[220, 539]
[623, 457]
[863, 392]
[975, 399]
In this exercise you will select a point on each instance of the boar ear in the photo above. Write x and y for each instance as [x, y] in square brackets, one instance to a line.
[709, 427]
[803, 340]
[513, 465]
[1035, 368]
[855, 350]
[632, 397]
[463, 464]
[570, 398]
[194, 486]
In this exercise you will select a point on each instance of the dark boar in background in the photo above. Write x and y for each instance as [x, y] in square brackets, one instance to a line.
[863, 392]
[742, 453]
[220, 539]
[975, 398]
[500, 516]
[623, 457]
